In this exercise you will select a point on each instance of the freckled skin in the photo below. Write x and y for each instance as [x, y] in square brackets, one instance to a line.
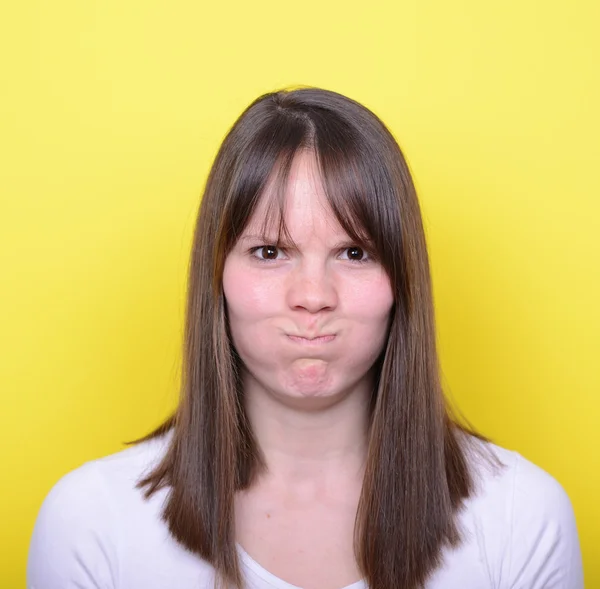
[314, 290]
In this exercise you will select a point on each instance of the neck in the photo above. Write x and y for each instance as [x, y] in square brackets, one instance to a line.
[309, 440]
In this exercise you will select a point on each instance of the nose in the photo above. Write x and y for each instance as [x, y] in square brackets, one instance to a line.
[312, 287]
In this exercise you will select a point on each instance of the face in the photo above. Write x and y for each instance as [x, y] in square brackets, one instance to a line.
[307, 320]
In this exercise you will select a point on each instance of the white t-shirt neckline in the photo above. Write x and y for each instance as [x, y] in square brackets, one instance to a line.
[274, 581]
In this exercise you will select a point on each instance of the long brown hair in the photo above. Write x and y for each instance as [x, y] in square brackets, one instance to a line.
[417, 471]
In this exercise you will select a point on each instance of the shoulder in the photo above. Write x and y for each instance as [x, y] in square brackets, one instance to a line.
[524, 487]
[526, 507]
[122, 470]
[76, 534]
[99, 484]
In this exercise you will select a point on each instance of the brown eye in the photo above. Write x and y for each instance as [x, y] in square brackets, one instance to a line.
[267, 252]
[355, 254]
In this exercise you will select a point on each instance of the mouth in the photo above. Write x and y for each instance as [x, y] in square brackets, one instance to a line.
[321, 339]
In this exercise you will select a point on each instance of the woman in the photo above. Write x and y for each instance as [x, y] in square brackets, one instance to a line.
[312, 446]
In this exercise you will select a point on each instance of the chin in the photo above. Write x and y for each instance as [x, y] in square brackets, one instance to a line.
[314, 395]
[309, 401]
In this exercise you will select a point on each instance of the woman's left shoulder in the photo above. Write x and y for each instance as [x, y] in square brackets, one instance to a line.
[531, 510]
[519, 482]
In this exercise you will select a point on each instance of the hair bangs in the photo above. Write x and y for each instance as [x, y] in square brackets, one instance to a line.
[350, 192]
[263, 174]
[361, 191]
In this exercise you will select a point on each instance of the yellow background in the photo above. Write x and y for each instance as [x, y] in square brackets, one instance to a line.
[111, 114]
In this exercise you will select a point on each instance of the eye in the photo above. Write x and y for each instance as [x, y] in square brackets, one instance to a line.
[266, 252]
[355, 254]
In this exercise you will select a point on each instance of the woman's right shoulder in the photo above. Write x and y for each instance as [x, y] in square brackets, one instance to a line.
[111, 476]
[80, 522]
[126, 467]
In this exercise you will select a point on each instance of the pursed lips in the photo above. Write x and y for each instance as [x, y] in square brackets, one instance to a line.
[319, 339]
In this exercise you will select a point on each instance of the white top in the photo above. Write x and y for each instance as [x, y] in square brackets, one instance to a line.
[95, 531]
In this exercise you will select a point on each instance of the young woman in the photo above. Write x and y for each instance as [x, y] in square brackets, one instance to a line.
[312, 446]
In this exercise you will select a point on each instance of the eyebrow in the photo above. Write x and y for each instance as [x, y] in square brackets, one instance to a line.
[272, 240]
[249, 237]
[262, 239]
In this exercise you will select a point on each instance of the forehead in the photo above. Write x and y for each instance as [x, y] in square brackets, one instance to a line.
[301, 203]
